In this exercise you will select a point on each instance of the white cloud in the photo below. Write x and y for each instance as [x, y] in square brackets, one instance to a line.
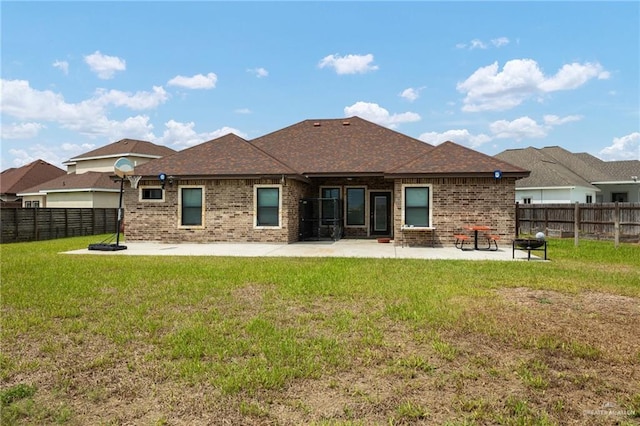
[20, 130]
[554, 120]
[350, 64]
[62, 66]
[527, 128]
[242, 111]
[574, 75]
[103, 65]
[375, 113]
[500, 41]
[477, 44]
[259, 72]
[490, 89]
[411, 94]
[137, 101]
[184, 135]
[198, 81]
[88, 117]
[623, 148]
[518, 129]
[459, 136]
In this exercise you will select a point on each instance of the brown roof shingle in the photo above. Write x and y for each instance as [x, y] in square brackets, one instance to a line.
[229, 155]
[127, 146]
[340, 146]
[15, 180]
[450, 158]
[72, 182]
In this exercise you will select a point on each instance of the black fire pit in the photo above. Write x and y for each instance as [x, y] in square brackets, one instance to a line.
[529, 244]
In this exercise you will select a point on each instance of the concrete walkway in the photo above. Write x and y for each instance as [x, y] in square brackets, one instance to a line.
[342, 248]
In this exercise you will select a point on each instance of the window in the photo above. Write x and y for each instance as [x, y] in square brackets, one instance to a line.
[355, 206]
[416, 206]
[329, 210]
[191, 206]
[35, 204]
[619, 197]
[27, 203]
[589, 199]
[526, 200]
[151, 194]
[267, 206]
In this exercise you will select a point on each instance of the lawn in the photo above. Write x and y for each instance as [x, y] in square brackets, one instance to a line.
[208, 340]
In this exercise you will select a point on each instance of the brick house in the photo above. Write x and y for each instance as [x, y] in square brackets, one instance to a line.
[363, 179]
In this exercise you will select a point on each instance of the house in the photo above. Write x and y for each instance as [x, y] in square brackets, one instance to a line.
[87, 182]
[15, 180]
[560, 176]
[348, 176]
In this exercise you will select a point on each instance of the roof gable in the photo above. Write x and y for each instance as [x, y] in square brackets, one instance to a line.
[72, 182]
[229, 155]
[451, 158]
[126, 146]
[555, 166]
[15, 180]
[346, 146]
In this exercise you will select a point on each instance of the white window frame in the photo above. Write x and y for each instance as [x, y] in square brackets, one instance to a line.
[255, 206]
[366, 206]
[417, 185]
[527, 200]
[204, 196]
[146, 200]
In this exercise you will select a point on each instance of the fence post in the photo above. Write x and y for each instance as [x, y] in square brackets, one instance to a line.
[36, 235]
[576, 224]
[616, 225]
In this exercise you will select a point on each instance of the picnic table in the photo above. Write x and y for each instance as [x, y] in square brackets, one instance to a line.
[476, 229]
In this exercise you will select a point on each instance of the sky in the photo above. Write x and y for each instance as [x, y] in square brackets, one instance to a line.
[487, 75]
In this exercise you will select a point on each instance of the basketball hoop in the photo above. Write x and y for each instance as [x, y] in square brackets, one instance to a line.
[134, 180]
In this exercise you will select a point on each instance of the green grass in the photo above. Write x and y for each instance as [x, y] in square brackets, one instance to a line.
[252, 327]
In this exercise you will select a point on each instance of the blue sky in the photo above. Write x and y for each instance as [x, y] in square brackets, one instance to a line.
[488, 75]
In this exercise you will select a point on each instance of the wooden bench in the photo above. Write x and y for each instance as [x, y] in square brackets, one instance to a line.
[493, 241]
[461, 239]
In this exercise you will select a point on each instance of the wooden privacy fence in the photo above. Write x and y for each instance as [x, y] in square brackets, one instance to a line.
[20, 224]
[600, 221]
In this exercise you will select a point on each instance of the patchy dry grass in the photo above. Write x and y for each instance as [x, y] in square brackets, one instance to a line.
[122, 340]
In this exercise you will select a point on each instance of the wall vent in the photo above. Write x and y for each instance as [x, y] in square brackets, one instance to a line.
[316, 124]
[346, 123]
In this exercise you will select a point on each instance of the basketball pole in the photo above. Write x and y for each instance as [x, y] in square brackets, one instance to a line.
[119, 213]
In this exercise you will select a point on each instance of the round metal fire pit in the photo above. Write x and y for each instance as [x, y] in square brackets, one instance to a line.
[528, 243]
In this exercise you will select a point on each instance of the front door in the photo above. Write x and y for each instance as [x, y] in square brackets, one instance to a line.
[380, 213]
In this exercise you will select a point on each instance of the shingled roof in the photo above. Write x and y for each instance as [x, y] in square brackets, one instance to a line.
[341, 146]
[72, 182]
[126, 147]
[229, 155]
[555, 166]
[330, 147]
[15, 180]
[450, 158]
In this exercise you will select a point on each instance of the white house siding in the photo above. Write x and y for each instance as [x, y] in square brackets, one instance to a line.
[555, 195]
[83, 199]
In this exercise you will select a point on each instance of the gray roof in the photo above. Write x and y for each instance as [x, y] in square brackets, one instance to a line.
[555, 166]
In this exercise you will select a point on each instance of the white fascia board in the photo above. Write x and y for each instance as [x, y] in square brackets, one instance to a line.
[124, 154]
[50, 191]
[29, 194]
[615, 182]
[527, 188]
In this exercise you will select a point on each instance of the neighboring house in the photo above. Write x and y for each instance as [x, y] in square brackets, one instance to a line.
[15, 180]
[88, 183]
[560, 176]
[375, 181]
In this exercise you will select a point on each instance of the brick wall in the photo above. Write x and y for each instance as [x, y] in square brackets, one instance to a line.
[229, 213]
[458, 202]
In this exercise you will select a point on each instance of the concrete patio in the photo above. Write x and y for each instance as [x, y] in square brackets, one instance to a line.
[343, 248]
